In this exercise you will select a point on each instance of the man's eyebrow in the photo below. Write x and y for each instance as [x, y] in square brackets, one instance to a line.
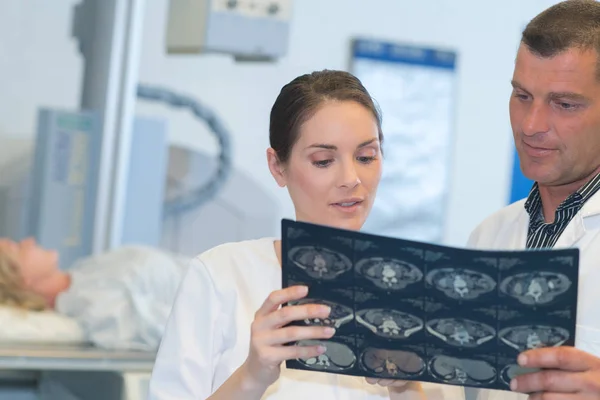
[568, 95]
[554, 95]
[517, 85]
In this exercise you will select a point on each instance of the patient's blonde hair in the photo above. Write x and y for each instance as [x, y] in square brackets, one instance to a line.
[12, 287]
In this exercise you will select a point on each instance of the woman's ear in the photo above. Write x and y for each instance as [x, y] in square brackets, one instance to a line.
[276, 168]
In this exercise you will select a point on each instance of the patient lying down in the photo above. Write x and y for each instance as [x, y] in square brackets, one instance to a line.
[121, 299]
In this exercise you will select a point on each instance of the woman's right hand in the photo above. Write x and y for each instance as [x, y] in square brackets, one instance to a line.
[269, 336]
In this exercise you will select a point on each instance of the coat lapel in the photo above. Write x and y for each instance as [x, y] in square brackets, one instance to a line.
[576, 228]
[518, 237]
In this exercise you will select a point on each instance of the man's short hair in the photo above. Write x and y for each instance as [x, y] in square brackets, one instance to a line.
[566, 25]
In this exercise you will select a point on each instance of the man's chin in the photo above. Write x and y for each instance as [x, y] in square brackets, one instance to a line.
[537, 173]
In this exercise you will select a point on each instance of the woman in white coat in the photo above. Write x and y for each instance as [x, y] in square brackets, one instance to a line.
[225, 337]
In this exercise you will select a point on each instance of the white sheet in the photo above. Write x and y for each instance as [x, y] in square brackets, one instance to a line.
[122, 298]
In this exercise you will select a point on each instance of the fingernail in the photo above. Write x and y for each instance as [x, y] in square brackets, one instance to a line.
[322, 349]
[522, 360]
[329, 331]
[303, 290]
[513, 385]
[326, 309]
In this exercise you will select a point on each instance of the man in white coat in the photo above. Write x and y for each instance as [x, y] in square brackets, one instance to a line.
[555, 118]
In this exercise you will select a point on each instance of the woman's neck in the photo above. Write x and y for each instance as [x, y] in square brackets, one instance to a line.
[277, 245]
[51, 286]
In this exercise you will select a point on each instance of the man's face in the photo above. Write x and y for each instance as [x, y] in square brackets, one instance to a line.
[555, 115]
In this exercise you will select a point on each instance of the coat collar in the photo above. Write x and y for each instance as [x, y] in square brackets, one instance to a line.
[576, 228]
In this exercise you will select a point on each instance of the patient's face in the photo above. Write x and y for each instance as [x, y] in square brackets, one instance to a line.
[335, 166]
[36, 263]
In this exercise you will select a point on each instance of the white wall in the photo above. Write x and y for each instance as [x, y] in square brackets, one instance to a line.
[35, 39]
[39, 66]
[485, 34]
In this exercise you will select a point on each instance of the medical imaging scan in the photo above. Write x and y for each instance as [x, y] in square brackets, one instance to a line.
[461, 371]
[460, 283]
[339, 315]
[338, 356]
[461, 332]
[320, 263]
[417, 311]
[389, 274]
[389, 323]
[528, 337]
[535, 287]
[385, 363]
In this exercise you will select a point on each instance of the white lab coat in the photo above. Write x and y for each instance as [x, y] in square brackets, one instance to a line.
[507, 230]
[122, 298]
[208, 334]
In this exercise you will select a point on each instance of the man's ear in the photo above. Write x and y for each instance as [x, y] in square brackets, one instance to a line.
[276, 167]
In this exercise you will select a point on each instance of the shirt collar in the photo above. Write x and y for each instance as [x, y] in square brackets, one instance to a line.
[533, 204]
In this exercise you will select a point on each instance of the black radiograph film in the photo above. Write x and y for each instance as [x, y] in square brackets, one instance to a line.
[416, 311]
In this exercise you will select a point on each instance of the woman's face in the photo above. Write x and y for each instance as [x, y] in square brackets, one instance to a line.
[335, 166]
[34, 261]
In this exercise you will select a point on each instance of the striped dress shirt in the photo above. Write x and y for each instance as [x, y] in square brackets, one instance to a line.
[544, 235]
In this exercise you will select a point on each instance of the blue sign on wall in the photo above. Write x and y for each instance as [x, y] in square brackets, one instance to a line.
[521, 186]
[414, 87]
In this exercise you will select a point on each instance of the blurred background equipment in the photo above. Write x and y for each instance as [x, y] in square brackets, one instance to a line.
[101, 177]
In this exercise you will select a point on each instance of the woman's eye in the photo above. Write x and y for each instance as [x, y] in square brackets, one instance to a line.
[365, 159]
[321, 163]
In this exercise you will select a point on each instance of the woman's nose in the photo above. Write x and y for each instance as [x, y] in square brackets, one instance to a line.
[349, 176]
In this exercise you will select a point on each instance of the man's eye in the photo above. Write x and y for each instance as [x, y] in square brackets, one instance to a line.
[521, 96]
[567, 106]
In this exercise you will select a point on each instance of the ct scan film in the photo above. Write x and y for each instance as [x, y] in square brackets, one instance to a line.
[415, 311]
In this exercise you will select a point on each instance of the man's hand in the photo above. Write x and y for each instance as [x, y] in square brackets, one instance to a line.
[567, 374]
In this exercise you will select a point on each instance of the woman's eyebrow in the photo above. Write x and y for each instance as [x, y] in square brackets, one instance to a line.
[366, 143]
[322, 146]
[333, 147]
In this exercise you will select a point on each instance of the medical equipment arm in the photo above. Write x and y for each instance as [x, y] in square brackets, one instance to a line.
[209, 190]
